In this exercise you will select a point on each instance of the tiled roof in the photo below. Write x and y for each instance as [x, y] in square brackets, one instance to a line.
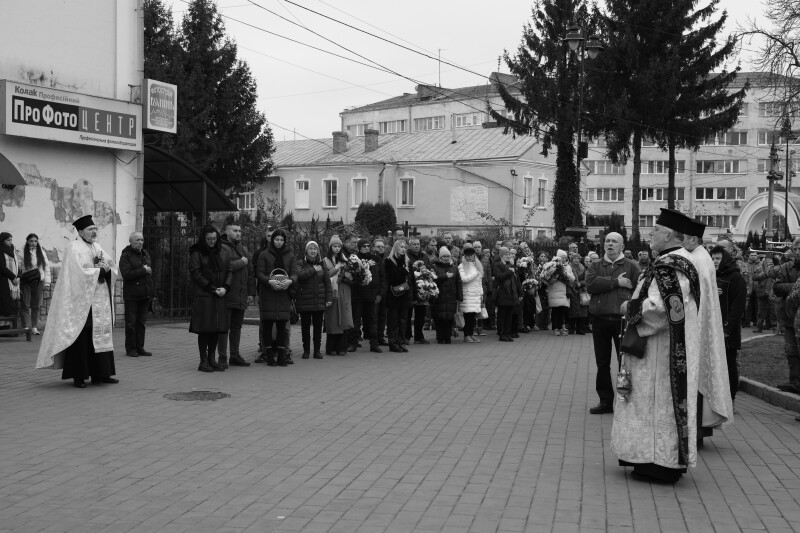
[756, 79]
[472, 144]
[441, 94]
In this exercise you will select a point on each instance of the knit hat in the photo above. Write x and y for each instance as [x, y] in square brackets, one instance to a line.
[362, 243]
[561, 254]
[503, 251]
[444, 249]
[335, 240]
[468, 249]
[309, 243]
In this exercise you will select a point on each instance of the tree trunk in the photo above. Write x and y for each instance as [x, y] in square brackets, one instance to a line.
[671, 175]
[635, 190]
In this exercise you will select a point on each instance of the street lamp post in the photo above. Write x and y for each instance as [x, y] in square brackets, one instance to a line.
[789, 135]
[771, 177]
[592, 47]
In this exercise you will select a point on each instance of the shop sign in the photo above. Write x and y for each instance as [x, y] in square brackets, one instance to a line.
[160, 106]
[43, 113]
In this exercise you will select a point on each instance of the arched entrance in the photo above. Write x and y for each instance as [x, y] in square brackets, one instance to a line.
[754, 213]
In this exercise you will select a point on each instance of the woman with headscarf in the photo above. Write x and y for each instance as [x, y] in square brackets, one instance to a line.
[470, 272]
[732, 289]
[577, 311]
[313, 297]
[339, 316]
[35, 277]
[9, 280]
[444, 307]
[210, 270]
[558, 275]
[398, 295]
[276, 296]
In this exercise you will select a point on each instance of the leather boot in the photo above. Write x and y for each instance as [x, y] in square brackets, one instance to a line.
[282, 357]
[213, 363]
[271, 357]
[204, 361]
[223, 361]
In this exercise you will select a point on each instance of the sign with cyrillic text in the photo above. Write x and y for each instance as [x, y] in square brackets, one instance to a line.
[42, 113]
[160, 106]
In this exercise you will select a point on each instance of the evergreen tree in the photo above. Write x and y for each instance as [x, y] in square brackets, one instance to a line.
[161, 48]
[749, 241]
[547, 109]
[378, 218]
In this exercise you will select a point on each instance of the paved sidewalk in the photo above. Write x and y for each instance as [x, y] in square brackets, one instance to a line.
[460, 438]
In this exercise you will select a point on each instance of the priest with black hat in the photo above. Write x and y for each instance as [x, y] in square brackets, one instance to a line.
[78, 337]
[655, 425]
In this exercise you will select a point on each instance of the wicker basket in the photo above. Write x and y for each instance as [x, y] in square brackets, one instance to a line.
[279, 279]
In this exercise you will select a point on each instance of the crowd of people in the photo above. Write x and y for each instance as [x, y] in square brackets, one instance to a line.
[673, 315]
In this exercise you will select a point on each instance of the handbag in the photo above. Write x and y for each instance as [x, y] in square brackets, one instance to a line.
[399, 290]
[31, 277]
[484, 314]
[278, 279]
[458, 318]
[294, 316]
[585, 299]
[632, 343]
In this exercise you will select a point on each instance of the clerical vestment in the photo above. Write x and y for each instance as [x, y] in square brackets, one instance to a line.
[712, 380]
[645, 428]
[77, 291]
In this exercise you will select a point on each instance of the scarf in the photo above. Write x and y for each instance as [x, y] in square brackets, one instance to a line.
[13, 266]
[665, 273]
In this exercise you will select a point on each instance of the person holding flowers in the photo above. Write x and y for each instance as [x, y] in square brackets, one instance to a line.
[450, 293]
[578, 297]
[339, 316]
[420, 263]
[399, 297]
[558, 275]
[507, 290]
[367, 296]
[526, 270]
[471, 273]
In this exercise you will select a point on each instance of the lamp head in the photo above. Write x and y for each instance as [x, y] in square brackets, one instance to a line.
[593, 47]
[574, 36]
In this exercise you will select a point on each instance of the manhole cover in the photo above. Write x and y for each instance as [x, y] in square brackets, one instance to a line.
[197, 395]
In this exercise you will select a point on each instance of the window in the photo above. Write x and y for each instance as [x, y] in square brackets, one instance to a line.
[359, 186]
[246, 201]
[606, 195]
[744, 110]
[301, 195]
[706, 167]
[393, 126]
[711, 140]
[766, 138]
[763, 165]
[604, 167]
[734, 138]
[770, 109]
[600, 142]
[358, 129]
[648, 141]
[660, 195]
[720, 193]
[542, 193]
[330, 192]
[406, 192]
[527, 191]
[429, 123]
[662, 167]
[647, 220]
[718, 221]
[468, 119]
[726, 166]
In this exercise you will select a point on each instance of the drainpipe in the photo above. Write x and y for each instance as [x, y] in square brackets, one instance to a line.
[380, 183]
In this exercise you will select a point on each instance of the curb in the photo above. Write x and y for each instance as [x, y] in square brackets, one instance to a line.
[771, 395]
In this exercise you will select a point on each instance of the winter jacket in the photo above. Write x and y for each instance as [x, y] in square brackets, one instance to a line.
[507, 289]
[244, 282]
[488, 280]
[762, 280]
[788, 274]
[732, 301]
[313, 287]
[137, 283]
[602, 283]
[450, 291]
[576, 310]
[376, 287]
[275, 304]
[396, 274]
[209, 270]
[557, 288]
[471, 287]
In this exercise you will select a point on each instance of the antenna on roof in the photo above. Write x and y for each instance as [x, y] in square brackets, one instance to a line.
[440, 66]
[498, 63]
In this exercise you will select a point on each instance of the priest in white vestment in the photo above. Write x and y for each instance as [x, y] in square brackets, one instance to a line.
[655, 431]
[78, 337]
[714, 405]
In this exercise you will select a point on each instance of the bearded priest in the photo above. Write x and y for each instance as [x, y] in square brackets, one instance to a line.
[78, 337]
[714, 406]
[654, 428]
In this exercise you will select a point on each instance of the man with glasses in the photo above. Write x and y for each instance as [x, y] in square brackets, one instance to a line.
[787, 276]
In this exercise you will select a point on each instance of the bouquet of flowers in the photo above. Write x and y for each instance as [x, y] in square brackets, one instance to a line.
[525, 263]
[555, 270]
[530, 285]
[425, 280]
[359, 273]
[366, 264]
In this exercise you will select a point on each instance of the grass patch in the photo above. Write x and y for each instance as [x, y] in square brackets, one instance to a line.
[763, 360]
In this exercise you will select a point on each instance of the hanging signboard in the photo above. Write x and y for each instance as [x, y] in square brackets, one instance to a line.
[42, 113]
[160, 106]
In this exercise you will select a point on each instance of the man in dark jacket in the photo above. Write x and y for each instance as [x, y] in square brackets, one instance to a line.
[732, 290]
[418, 310]
[610, 282]
[507, 290]
[788, 274]
[366, 299]
[137, 291]
[380, 252]
[243, 288]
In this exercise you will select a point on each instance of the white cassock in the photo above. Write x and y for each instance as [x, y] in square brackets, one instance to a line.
[644, 429]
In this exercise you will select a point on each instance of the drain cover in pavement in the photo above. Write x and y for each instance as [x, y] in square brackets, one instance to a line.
[197, 395]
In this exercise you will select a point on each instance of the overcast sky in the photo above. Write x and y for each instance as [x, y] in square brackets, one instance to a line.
[302, 90]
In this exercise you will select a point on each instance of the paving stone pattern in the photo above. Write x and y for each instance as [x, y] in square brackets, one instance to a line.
[490, 437]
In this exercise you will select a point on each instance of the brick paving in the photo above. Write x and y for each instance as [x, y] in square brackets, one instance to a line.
[490, 437]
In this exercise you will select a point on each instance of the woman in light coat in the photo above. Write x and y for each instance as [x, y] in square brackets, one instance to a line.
[471, 272]
[557, 292]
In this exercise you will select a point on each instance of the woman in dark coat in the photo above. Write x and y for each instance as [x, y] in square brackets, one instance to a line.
[210, 270]
[9, 277]
[314, 295]
[577, 313]
[732, 301]
[445, 305]
[399, 300]
[507, 290]
[275, 298]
